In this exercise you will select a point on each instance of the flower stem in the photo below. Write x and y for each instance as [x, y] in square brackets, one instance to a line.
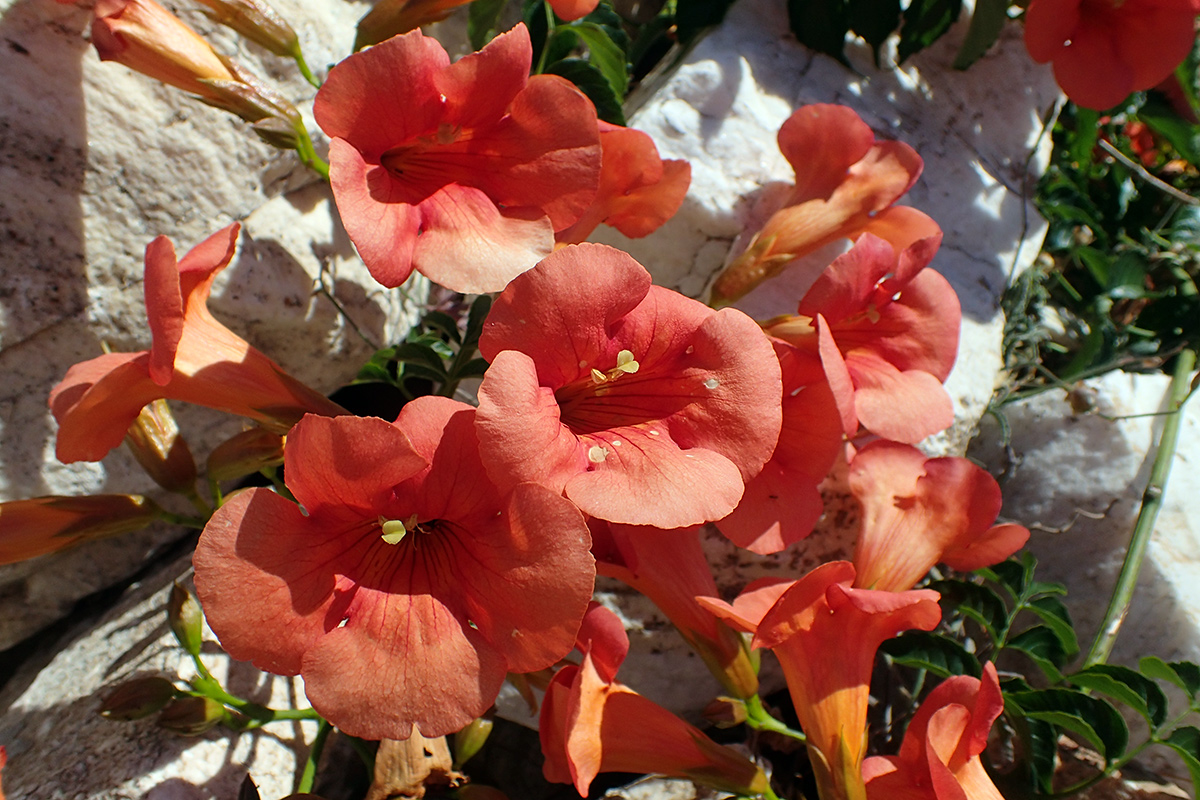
[758, 719]
[298, 57]
[308, 153]
[308, 777]
[180, 519]
[1152, 500]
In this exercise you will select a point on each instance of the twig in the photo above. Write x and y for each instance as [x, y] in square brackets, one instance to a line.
[1145, 175]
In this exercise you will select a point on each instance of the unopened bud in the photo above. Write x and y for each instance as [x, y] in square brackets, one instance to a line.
[248, 97]
[42, 525]
[137, 698]
[192, 716]
[245, 454]
[155, 442]
[470, 740]
[257, 21]
[390, 17]
[186, 619]
[725, 712]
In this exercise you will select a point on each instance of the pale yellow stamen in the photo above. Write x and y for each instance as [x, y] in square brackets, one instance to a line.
[626, 365]
[394, 530]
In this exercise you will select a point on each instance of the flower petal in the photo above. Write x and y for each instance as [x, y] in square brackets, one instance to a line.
[901, 406]
[821, 142]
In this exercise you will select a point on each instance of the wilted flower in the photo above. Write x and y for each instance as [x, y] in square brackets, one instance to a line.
[644, 406]
[886, 331]
[1105, 49]
[461, 171]
[846, 183]
[920, 511]
[43, 525]
[193, 358]
[396, 522]
[939, 759]
[638, 190]
[591, 724]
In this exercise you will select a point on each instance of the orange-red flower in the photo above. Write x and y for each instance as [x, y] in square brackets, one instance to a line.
[782, 503]
[920, 511]
[1105, 49]
[644, 406]
[461, 171]
[388, 18]
[591, 724]
[638, 190]
[570, 10]
[939, 759]
[404, 586]
[193, 358]
[825, 633]
[886, 331]
[846, 183]
[669, 567]
[43, 525]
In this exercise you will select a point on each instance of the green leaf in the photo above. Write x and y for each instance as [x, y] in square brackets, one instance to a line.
[482, 19]
[475, 319]
[976, 602]
[379, 369]
[1043, 646]
[939, 654]
[1129, 687]
[1186, 742]
[1092, 718]
[1084, 136]
[986, 24]
[411, 353]
[821, 25]
[443, 322]
[1011, 575]
[1056, 617]
[924, 22]
[592, 83]
[1038, 750]
[695, 16]
[874, 21]
[1162, 119]
[605, 55]
[1183, 674]
[472, 369]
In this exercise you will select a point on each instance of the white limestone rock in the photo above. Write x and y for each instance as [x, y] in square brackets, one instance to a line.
[1076, 480]
[95, 161]
[60, 747]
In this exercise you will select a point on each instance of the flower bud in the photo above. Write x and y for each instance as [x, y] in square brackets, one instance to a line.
[137, 698]
[45, 524]
[244, 454]
[155, 442]
[192, 716]
[388, 18]
[470, 740]
[258, 22]
[186, 619]
[725, 712]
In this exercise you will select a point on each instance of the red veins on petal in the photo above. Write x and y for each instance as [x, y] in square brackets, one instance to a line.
[638, 190]
[920, 511]
[405, 585]
[1103, 50]
[461, 171]
[193, 358]
[644, 407]
[886, 332]
[939, 759]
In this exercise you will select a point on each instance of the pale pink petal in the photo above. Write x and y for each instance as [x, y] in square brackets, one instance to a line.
[901, 406]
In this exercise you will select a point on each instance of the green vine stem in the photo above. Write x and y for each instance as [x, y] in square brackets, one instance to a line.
[309, 776]
[308, 153]
[298, 57]
[759, 719]
[1152, 500]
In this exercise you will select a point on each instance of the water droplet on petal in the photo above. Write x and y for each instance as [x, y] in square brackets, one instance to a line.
[690, 350]
[711, 383]
[597, 454]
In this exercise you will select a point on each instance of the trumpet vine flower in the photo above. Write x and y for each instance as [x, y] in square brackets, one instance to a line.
[886, 332]
[591, 724]
[825, 633]
[920, 511]
[41, 525]
[643, 406]
[846, 183]
[940, 756]
[1103, 50]
[192, 357]
[461, 171]
[404, 586]
[638, 190]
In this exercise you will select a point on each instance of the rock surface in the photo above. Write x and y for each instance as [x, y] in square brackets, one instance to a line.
[96, 161]
[60, 747]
